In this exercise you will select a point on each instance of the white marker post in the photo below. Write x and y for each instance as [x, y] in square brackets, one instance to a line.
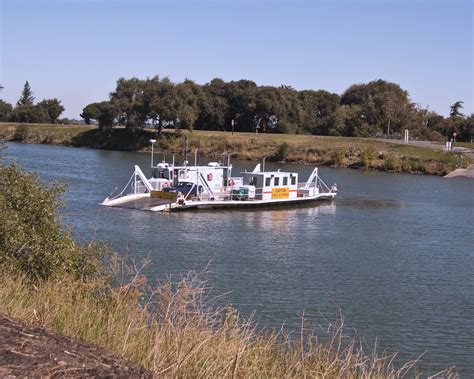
[406, 136]
[152, 141]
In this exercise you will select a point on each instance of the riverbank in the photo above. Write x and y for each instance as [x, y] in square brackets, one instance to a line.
[358, 153]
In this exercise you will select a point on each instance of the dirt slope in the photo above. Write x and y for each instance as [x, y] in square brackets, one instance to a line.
[32, 351]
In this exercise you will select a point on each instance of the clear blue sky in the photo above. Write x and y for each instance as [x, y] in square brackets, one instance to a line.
[76, 50]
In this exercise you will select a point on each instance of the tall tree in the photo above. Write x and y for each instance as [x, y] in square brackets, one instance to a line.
[455, 109]
[160, 102]
[241, 96]
[104, 113]
[53, 108]
[128, 100]
[27, 97]
[189, 95]
[5, 110]
[384, 105]
[318, 110]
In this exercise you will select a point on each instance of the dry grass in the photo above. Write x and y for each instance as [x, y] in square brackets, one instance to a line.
[175, 330]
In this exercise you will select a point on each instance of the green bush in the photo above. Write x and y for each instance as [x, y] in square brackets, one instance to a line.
[392, 163]
[22, 133]
[281, 152]
[337, 157]
[32, 240]
[367, 156]
[406, 166]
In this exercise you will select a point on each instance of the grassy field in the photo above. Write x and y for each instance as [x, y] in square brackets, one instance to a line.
[469, 145]
[336, 151]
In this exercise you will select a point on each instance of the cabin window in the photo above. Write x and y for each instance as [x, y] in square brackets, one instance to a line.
[285, 181]
[277, 182]
[293, 180]
[268, 182]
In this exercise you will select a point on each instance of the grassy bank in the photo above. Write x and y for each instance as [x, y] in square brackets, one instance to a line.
[336, 151]
[176, 332]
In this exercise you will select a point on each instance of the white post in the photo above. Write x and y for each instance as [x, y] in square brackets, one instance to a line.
[152, 141]
[406, 136]
[229, 171]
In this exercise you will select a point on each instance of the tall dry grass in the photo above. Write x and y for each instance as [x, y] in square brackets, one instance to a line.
[176, 330]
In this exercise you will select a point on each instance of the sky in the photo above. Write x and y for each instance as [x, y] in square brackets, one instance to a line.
[76, 50]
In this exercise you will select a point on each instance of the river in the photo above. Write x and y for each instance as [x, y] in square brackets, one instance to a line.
[394, 253]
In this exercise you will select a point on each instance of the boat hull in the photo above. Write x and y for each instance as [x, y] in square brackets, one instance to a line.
[234, 204]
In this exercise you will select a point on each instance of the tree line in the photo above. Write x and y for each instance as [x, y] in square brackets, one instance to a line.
[374, 109]
[46, 111]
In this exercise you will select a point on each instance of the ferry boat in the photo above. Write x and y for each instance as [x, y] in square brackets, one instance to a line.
[182, 187]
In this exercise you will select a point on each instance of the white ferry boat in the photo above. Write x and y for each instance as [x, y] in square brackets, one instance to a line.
[182, 187]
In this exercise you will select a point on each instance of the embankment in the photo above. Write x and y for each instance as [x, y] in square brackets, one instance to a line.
[360, 153]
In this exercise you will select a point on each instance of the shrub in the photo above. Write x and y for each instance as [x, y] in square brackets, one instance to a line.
[281, 152]
[337, 157]
[367, 156]
[406, 165]
[32, 240]
[392, 163]
[22, 133]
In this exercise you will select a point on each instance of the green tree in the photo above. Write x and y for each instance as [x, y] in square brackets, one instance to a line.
[53, 108]
[318, 110]
[161, 102]
[27, 97]
[270, 108]
[90, 113]
[129, 101]
[104, 113]
[213, 107]
[241, 97]
[29, 114]
[5, 110]
[384, 105]
[455, 109]
[189, 96]
[466, 129]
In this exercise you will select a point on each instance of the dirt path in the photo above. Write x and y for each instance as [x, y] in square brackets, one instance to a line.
[431, 145]
[465, 172]
[33, 352]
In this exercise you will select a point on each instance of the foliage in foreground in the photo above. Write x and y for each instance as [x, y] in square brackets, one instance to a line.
[32, 240]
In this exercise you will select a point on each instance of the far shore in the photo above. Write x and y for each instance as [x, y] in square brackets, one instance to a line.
[358, 153]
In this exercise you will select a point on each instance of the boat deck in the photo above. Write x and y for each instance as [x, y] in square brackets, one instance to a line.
[143, 204]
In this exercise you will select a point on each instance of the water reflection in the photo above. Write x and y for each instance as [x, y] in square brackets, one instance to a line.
[363, 202]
